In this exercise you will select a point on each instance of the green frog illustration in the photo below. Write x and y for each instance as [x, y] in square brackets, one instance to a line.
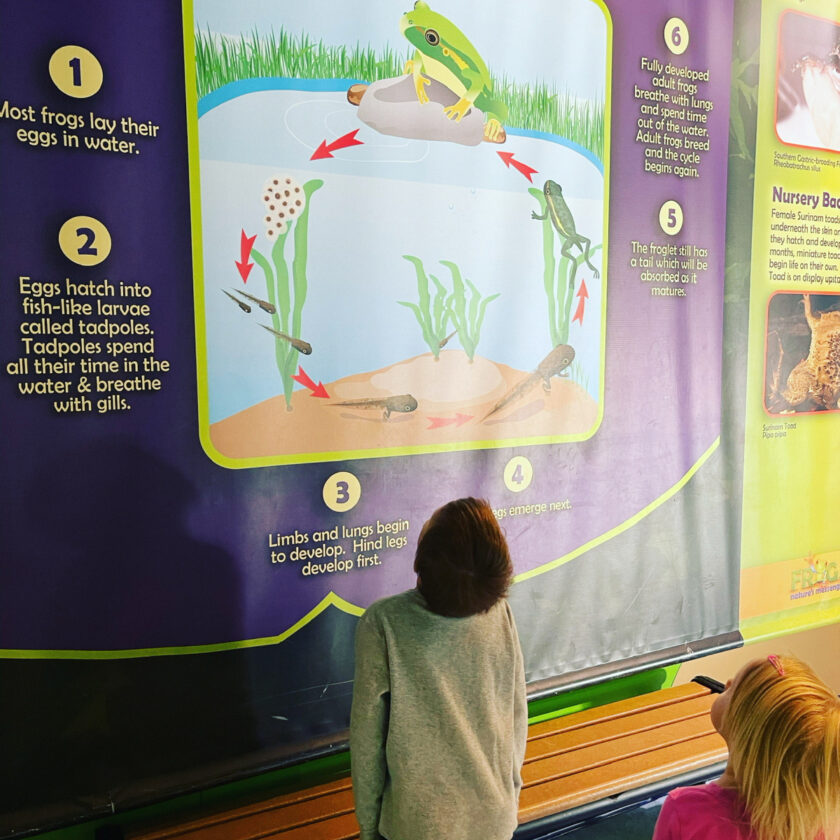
[561, 217]
[443, 52]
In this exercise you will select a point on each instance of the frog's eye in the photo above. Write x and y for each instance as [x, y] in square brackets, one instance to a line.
[432, 38]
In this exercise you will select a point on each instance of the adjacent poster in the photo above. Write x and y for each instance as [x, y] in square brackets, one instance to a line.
[791, 546]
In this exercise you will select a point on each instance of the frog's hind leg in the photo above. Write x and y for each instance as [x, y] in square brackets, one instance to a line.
[585, 249]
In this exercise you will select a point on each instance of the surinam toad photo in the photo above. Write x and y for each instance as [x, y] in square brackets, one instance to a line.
[803, 358]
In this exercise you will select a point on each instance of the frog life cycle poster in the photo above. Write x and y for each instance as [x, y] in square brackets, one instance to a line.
[790, 551]
[280, 279]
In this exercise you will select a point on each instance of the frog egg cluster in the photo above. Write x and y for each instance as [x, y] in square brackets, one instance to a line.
[283, 201]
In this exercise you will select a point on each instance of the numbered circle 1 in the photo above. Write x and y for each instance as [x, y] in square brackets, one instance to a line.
[518, 474]
[676, 35]
[76, 71]
[342, 491]
[84, 240]
[671, 217]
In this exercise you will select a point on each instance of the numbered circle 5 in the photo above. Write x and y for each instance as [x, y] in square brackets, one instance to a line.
[84, 240]
[76, 71]
[518, 473]
[342, 491]
[676, 35]
[671, 217]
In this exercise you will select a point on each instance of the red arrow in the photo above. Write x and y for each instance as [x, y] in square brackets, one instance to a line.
[245, 245]
[583, 294]
[523, 168]
[325, 151]
[458, 420]
[317, 390]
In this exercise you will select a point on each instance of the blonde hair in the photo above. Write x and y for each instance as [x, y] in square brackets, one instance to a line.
[782, 726]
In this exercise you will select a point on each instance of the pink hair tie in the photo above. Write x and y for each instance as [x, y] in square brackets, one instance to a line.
[776, 663]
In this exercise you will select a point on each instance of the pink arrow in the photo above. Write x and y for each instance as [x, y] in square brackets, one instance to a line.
[325, 151]
[458, 420]
[522, 168]
[245, 245]
[582, 294]
[317, 390]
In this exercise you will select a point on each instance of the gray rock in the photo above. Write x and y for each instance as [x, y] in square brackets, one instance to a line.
[390, 106]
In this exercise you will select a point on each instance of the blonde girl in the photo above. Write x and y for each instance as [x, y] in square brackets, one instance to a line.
[781, 724]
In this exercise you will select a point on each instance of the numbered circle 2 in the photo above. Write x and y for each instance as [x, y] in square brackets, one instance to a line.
[342, 491]
[76, 71]
[84, 240]
[676, 35]
[671, 217]
[518, 474]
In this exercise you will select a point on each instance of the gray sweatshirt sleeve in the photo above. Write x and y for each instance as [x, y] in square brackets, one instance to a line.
[369, 725]
[520, 713]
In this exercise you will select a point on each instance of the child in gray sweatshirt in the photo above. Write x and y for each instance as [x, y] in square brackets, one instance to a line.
[439, 717]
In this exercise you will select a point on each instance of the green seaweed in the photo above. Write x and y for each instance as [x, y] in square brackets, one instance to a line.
[558, 278]
[466, 313]
[431, 314]
[287, 289]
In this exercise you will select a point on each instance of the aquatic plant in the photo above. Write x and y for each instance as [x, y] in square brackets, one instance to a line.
[533, 106]
[431, 313]
[466, 312]
[286, 209]
[558, 278]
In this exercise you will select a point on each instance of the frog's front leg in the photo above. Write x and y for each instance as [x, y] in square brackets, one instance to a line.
[415, 67]
[473, 88]
[535, 215]
[800, 384]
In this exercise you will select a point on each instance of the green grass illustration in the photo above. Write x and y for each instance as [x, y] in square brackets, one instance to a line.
[285, 277]
[558, 279]
[464, 310]
[535, 106]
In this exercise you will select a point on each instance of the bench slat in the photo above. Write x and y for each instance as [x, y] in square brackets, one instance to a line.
[689, 713]
[544, 799]
[621, 708]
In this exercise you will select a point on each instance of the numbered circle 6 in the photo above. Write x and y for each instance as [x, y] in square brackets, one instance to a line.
[342, 491]
[518, 473]
[76, 71]
[676, 35]
[84, 240]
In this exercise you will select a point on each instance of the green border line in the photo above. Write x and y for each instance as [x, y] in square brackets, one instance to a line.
[331, 599]
[628, 523]
[386, 452]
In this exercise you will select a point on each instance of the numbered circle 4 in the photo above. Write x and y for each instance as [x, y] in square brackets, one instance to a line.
[518, 473]
[676, 35]
[342, 491]
[76, 71]
[671, 217]
[84, 240]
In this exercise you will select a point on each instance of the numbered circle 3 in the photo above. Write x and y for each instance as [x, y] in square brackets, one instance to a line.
[518, 473]
[84, 240]
[342, 491]
[76, 71]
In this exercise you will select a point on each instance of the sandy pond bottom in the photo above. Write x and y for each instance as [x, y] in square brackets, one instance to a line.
[453, 398]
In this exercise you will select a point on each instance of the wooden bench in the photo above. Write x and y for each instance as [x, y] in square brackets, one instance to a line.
[572, 763]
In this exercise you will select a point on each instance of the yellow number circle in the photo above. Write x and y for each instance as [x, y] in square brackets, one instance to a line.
[676, 35]
[518, 474]
[76, 71]
[342, 492]
[671, 217]
[84, 240]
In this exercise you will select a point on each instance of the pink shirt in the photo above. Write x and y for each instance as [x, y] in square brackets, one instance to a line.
[705, 812]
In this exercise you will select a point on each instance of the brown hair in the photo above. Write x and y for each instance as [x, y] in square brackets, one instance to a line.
[782, 726]
[462, 559]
